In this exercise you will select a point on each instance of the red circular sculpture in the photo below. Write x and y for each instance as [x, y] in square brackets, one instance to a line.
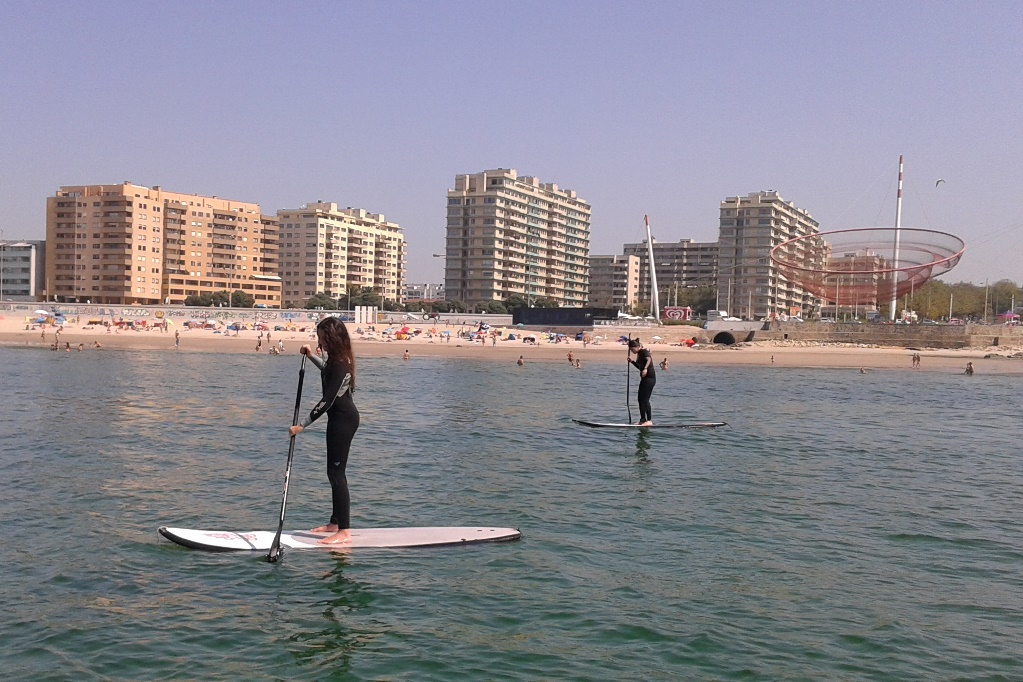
[860, 266]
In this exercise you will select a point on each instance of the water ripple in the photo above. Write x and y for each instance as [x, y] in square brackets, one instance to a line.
[841, 527]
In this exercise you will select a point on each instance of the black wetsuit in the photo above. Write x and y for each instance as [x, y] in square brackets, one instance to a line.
[342, 423]
[646, 383]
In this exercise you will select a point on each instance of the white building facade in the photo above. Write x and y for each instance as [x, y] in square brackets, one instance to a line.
[336, 251]
[509, 235]
[22, 276]
[749, 284]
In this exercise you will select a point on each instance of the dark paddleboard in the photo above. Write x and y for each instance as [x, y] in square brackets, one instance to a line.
[690, 425]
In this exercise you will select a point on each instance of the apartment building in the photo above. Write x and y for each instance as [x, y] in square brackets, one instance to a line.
[614, 281]
[331, 250]
[22, 270]
[678, 265]
[422, 292]
[130, 244]
[510, 235]
[748, 282]
[854, 284]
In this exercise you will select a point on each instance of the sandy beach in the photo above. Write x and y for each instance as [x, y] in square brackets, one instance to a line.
[1002, 360]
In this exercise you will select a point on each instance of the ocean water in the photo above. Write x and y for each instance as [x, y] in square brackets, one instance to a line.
[842, 527]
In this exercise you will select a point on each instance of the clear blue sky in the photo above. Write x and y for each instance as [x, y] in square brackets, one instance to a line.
[659, 108]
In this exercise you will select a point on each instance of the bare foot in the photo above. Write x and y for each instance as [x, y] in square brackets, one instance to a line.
[646, 423]
[329, 528]
[341, 537]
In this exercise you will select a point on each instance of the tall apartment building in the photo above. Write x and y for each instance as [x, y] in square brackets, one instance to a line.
[22, 270]
[331, 250]
[129, 244]
[614, 281]
[678, 265]
[749, 284]
[511, 235]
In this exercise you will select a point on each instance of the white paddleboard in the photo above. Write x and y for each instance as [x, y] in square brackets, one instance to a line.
[260, 540]
[690, 425]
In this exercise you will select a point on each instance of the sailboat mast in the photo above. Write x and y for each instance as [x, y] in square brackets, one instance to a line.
[895, 251]
[654, 302]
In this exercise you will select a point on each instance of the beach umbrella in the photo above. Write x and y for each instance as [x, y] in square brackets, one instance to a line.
[655, 338]
[520, 325]
[42, 312]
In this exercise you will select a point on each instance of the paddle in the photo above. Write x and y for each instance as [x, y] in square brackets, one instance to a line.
[628, 375]
[275, 547]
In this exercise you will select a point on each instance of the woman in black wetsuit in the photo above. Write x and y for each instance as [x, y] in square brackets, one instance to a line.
[337, 375]
[647, 379]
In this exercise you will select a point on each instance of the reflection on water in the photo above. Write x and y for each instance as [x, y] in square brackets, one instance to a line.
[843, 526]
[642, 445]
[332, 645]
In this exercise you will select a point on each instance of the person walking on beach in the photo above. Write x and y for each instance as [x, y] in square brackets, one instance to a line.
[647, 380]
[969, 369]
[177, 338]
[337, 376]
[571, 358]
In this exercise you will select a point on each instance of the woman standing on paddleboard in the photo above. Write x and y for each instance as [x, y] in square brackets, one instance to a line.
[337, 375]
[647, 379]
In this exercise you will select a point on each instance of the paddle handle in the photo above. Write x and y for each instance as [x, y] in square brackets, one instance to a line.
[628, 376]
[275, 546]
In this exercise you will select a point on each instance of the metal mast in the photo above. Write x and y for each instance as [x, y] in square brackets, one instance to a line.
[654, 303]
[895, 252]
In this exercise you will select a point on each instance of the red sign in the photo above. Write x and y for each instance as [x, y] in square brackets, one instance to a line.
[677, 313]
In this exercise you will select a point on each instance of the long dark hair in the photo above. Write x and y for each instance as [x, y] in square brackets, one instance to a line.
[336, 343]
